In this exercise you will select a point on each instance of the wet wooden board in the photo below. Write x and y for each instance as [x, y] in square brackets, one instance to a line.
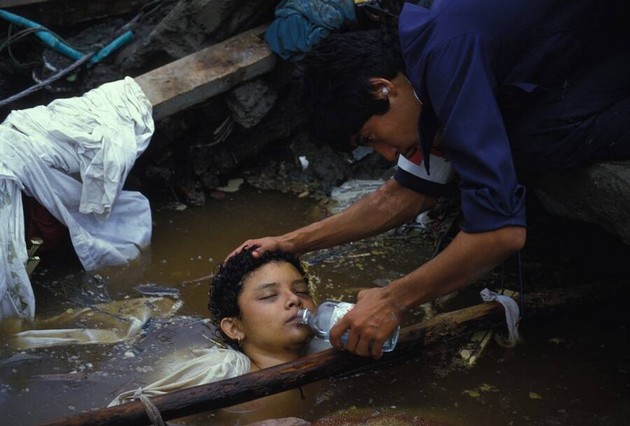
[209, 72]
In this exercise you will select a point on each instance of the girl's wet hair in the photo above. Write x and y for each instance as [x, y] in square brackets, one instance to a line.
[335, 80]
[227, 282]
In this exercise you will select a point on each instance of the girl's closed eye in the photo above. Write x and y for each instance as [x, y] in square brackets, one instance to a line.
[267, 296]
[301, 288]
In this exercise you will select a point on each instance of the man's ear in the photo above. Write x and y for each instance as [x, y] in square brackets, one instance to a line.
[231, 326]
[382, 87]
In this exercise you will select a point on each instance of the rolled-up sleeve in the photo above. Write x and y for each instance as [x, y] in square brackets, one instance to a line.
[461, 90]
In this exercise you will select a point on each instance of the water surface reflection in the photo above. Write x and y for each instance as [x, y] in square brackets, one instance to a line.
[573, 369]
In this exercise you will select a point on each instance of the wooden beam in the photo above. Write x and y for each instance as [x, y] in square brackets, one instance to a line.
[207, 73]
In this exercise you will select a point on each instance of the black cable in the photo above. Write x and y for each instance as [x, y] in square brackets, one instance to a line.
[48, 81]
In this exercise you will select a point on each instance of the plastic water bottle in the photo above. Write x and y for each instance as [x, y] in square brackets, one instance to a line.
[328, 313]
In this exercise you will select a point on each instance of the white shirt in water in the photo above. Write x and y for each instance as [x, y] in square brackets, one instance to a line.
[207, 365]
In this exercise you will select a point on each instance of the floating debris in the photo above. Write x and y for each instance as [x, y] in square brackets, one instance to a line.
[154, 290]
[233, 185]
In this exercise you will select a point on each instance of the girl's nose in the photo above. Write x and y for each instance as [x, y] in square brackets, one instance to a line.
[293, 300]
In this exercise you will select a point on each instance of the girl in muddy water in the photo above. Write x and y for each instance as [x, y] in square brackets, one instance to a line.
[254, 303]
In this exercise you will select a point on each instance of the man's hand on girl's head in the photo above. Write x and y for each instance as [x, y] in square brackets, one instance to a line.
[260, 246]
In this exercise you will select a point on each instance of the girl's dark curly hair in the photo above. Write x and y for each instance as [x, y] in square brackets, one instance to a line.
[227, 282]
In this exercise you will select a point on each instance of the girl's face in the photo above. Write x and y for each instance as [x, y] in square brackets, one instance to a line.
[269, 304]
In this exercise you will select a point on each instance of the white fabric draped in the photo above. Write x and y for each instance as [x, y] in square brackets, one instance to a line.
[73, 157]
[207, 366]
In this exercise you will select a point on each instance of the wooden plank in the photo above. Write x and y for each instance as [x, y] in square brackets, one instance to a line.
[207, 73]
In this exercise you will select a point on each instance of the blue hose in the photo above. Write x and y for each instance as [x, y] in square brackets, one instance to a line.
[118, 42]
[43, 34]
[51, 40]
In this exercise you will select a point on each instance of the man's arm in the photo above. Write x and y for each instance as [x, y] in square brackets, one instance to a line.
[380, 310]
[388, 207]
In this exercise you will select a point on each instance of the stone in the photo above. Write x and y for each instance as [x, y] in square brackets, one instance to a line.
[250, 102]
[598, 194]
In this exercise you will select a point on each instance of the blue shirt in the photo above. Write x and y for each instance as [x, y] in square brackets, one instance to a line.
[464, 59]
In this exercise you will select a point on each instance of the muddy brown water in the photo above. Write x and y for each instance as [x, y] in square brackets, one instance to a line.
[573, 369]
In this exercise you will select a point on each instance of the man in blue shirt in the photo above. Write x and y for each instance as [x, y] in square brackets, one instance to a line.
[474, 91]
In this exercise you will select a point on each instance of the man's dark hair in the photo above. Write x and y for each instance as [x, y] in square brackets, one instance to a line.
[335, 79]
[227, 282]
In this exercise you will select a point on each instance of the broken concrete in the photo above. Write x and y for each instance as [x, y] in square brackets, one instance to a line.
[598, 194]
[183, 27]
[250, 102]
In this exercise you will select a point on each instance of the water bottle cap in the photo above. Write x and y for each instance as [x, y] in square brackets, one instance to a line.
[303, 315]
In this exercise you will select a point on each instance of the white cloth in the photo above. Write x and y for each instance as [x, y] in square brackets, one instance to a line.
[73, 157]
[16, 293]
[512, 313]
[209, 365]
[103, 323]
[441, 169]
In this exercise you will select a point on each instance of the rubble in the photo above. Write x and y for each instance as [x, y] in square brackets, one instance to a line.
[252, 125]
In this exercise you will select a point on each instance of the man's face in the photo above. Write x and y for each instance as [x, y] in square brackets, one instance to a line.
[396, 131]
